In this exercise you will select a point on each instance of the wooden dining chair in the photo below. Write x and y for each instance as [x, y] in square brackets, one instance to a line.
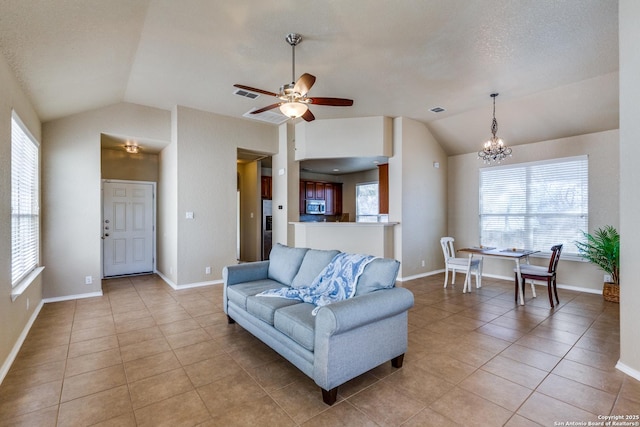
[534, 272]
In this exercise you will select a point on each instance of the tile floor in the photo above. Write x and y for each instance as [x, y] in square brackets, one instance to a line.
[146, 355]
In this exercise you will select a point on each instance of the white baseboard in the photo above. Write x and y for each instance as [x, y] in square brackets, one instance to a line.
[71, 297]
[4, 370]
[495, 276]
[418, 276]
[628, 370]
[188, 285]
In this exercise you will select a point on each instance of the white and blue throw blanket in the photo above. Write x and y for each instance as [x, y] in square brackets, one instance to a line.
[336, 282]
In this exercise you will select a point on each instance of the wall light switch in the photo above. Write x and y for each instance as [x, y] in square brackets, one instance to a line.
[189, 215]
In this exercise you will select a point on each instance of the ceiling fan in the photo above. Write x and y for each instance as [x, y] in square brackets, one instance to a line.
[293, 99]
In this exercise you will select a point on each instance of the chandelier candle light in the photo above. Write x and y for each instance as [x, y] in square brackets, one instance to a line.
[494, 149]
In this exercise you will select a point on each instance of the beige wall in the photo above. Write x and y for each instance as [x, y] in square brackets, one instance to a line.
[118, 164]
[14, 315]
[285, 186]
[602, 149]
[206, 153]
[349, 182]
[71, 191]
[629, 183]
[167, 205]
[417, 197]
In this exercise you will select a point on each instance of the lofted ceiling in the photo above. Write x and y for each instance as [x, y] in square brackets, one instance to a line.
[554, 62]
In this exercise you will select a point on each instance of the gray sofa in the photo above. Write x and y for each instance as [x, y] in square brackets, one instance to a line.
[345, 339]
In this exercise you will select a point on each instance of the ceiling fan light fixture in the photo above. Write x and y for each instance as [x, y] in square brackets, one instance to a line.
[293, 109]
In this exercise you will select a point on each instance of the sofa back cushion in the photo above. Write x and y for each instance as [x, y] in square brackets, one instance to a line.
[284, 263]
[381, 273]
[315, 260]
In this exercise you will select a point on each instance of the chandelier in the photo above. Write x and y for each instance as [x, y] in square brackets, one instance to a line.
[494, 149]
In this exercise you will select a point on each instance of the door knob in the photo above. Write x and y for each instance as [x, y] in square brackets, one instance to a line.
[106, 235]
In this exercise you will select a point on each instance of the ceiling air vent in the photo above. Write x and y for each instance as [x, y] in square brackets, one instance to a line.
[436, 109]
[246, 94]
[269, 116]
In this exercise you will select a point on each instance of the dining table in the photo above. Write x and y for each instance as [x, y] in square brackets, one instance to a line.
[515, 254]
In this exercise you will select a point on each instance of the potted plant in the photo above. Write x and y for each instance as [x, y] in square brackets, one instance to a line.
[602, 248]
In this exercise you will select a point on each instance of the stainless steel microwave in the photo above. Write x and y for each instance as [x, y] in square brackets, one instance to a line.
[315, 207]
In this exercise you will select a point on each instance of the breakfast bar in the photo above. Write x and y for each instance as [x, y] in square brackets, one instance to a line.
[373, 238]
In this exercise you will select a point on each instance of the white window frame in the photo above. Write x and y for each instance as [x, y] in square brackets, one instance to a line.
[518, 209]
[368, 217]
[25, 203]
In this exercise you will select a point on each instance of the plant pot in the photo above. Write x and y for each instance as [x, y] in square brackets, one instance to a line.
[611, 292]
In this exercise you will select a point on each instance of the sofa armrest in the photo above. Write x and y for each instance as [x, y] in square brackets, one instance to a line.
[352, 313]
[247, 272]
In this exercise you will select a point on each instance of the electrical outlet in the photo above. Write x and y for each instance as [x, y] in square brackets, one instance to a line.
[423, 263]
[607, 278]
[207, 270]
[88, 280]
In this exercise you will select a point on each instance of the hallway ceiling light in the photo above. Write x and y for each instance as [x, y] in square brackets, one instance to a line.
[132, 148]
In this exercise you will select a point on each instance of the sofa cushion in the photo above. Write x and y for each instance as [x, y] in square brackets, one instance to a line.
[284, 263]
[238, 293]
[313, 263]
[381, 273]
[297, 322]
[264, 308]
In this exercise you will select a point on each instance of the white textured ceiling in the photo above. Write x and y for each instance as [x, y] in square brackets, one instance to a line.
[554, 62]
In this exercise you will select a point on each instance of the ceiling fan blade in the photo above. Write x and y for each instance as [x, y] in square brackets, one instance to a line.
[308, 116]
[268, 107]
[304, 83]
[336, 102]
[253, 89]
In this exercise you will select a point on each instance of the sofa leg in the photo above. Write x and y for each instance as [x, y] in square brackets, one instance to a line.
[230, 321]
[396, 362]
[329, 397]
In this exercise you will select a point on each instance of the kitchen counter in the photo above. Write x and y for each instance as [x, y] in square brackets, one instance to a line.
[373, 238]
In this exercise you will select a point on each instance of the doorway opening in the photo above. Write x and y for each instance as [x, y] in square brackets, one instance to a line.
[254, 216]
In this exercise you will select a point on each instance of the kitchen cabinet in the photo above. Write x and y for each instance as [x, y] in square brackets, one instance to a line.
[383, 189]
[265, 187]
[330, 199]
[319, 186]
[330, 192]
[310, 190]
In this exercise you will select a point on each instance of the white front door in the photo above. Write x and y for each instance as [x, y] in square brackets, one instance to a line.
[127, 228]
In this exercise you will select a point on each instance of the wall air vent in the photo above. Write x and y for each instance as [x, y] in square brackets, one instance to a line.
[270, 116]
[246, 94]
[436, 109]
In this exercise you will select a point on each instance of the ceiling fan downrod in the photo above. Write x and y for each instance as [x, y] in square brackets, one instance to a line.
[293, 39]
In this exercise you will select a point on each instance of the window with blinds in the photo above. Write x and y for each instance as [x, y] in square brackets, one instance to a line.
[535, 205]
[24, 202]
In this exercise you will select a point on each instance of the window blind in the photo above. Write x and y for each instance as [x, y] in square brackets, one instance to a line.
[535, 205]
[24, 202]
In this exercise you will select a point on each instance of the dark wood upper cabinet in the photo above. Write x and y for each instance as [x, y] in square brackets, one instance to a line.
[310, 190]
[266, 187]
[383, 189]
[330, 192]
